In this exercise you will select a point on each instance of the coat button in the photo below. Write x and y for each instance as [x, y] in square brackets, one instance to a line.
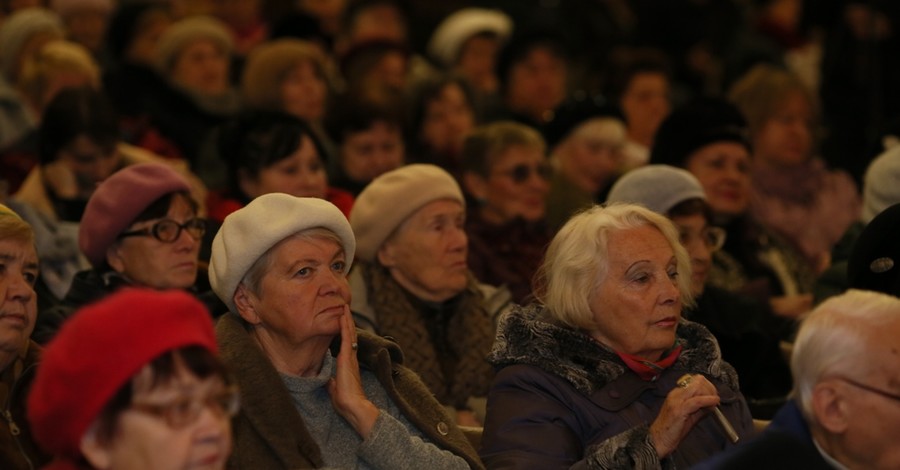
[442, 428]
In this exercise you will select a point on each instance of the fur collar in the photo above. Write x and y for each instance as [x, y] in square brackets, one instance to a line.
[526, 335]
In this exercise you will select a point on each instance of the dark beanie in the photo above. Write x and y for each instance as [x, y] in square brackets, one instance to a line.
[699, 123]
[875, 261]
[522, 43]
[574, 111]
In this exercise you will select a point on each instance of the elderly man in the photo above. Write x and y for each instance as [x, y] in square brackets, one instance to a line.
[845, 412]
[18, 354]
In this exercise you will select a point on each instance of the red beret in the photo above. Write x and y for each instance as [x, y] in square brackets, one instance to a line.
[119, 200]
[100, 349]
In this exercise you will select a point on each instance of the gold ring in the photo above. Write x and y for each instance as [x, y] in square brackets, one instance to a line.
[354, 346]
[684, 381]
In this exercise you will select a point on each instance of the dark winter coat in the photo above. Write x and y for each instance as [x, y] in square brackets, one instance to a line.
[18, 451]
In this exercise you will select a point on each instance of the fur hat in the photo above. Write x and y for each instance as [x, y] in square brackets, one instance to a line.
[881, 184]
[697, 124]
[458, 27]
[249, 232]
[874, 263]
[394, 196]
[185, 31]
[98, 350]
[118, 200]
[17, 29]
[268, 65]
[656, 187]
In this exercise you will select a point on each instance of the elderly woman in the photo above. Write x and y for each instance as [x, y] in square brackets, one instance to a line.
[507, 175]
[19, 355]
[140, 228]
[413, 283]
[604, 372]
[301, 365]
[164, 403]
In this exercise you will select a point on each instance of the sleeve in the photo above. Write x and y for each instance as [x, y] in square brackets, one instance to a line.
[391, 446]
[530, 425]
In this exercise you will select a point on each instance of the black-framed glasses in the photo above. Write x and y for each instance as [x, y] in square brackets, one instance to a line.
[184, 411]
[522, 172]
[713, 237]
[869, 388]
[167, 230]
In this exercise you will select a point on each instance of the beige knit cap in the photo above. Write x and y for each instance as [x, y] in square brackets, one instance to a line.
[394, 196]
[187, 30]
[247, 233]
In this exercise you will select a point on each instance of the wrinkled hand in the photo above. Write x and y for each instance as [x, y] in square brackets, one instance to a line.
[683, 408]
[345, 388]
[792, 306]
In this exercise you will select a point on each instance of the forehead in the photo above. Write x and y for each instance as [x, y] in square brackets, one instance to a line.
[17, 250]
[632, 245]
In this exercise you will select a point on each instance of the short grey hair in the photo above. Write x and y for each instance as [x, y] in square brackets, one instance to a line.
[833, 339]
[577, 260]
[255, 273]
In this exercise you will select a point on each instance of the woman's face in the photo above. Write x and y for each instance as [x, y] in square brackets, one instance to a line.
[304, 291]
[299, 174]
[202, 67]
[723, 169]
[477, 59]
[537, 84]
[142, 49]
[369, 153]
[303, 92]
[427, 254]
[145, 441]
[448, 118]
[516, 186]
[637, 305]
[693, 230]
[645, 102]
[592, 154]
[785, 139]
[152, 263]
[88, 162]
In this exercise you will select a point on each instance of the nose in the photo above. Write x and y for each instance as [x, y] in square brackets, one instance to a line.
[458, 240]
[185, 242]
[335, 283]
[669, 293]
[18, 289]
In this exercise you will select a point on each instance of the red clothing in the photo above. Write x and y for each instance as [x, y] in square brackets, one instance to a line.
[219, 206]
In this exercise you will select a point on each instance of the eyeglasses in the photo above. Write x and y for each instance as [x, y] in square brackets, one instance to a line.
[521, 173]
[184, 411]
[167, 230]
[713, 237]
[874, 390]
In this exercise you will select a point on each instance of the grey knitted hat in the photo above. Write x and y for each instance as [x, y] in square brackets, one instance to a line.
[881, 185]
[656, 187]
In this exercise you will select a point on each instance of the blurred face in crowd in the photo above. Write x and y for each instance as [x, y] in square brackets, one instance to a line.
[537, 84]
[81, 166]
[369, 153]
[87, 26]
[785, 139]
[723, 169]
[142, 49]
[700, 240]
[379, 22]
[477, 60]
[515, 187]
[202, 67]
[637, 305]
[183, 423]
[299, 174]
[18, 302]
[592, 153]
[645, 103]
[149, 262]
[303, 92]
[426, 255]
[448, 118]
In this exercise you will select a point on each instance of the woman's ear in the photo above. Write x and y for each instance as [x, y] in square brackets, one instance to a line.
[830, 407]
[245, 302]
[95, 451]
[476, 185]
[385, 254]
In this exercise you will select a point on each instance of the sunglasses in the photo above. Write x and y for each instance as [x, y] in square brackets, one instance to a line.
[522, 172]
[167, 230]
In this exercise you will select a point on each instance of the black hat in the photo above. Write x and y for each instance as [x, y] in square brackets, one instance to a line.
[875, 261]
[522, 43]
[695, 125]
[575, 110]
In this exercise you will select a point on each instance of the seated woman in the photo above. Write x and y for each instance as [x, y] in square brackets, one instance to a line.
[412, 283]
[604, 372]
[140, 228]
[317, 393]
[272, 152]
[507, 175]
[165, 402]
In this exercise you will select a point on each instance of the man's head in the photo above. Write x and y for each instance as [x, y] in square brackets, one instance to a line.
[846, 366]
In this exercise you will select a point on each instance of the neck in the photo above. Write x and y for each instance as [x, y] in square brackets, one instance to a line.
[832, 446]
[301, 360]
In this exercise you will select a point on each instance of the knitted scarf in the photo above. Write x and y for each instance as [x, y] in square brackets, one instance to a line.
[446, 345]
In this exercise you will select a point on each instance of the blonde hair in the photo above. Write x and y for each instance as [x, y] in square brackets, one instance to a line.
[760, 93]
[485, 143]
[269, 64]
[55, 58]
[577, 260]
[12, 227]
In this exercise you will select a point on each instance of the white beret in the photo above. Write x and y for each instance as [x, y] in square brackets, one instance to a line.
[247, 233]
[656, 187]
[457, 28]
[394, 196]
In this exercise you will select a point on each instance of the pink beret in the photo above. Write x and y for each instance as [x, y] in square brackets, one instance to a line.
[99, 350]
[119, 200]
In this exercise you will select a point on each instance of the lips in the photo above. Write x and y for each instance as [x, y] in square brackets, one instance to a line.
[668, 322]
[17, 318]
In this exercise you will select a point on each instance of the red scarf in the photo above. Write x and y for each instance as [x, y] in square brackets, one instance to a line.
[648, 370]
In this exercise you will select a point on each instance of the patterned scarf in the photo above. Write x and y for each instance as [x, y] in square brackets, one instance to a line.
[445, 344]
